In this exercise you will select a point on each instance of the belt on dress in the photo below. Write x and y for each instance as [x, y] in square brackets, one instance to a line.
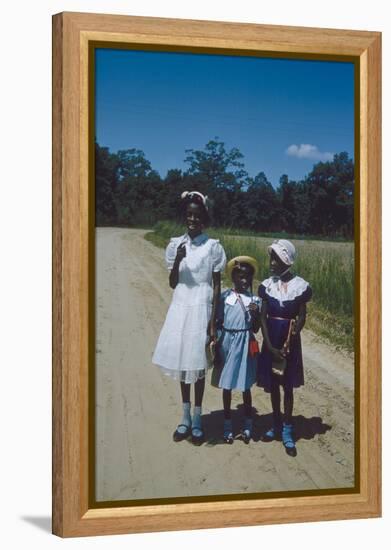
[236, 329]
[281, 318]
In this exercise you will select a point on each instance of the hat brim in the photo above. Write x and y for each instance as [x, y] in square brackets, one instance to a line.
[242, 260]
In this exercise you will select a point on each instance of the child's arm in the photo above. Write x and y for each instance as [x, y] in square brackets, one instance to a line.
[276, 353]
[174, 273]
[255, 316]
[216, 277]
[220, 312]
[301, 318]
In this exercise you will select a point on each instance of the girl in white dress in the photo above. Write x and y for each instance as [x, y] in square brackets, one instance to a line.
[195, 263]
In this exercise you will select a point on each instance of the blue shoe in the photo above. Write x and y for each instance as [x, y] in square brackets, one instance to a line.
[247, 430]
[287, 439]
[273, 433]
[228, 435]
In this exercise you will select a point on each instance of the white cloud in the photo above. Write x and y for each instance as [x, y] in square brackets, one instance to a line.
[307, 151]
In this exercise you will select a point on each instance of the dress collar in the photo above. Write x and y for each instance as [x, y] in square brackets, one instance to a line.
[199, 239]
[279, 282]
[232, 298]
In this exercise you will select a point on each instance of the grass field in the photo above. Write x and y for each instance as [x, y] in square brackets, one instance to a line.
[327, 265]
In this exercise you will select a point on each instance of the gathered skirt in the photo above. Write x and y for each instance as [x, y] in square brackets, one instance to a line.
[239, 370]
[180, 350]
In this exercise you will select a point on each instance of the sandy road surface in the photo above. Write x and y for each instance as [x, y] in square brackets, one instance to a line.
[137, 408]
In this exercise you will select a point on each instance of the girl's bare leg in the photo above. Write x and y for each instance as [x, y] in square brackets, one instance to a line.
[227, 429]
[199, 387]
[274, 432]
[288, 405]
[185, 391]
[248, 423]
[276, 400]
[247, 402]
[227, 394]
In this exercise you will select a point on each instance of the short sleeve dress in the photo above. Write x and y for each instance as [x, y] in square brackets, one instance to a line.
[180, 350]
[283, 302]
[234, 321]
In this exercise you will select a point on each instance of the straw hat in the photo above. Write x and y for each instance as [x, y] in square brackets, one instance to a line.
[235, 262]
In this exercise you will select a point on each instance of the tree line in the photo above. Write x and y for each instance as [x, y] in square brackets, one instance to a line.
[129, 192]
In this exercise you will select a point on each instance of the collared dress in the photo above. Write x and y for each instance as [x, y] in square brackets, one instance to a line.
[283, 303]
[239, 370]
[180, 350]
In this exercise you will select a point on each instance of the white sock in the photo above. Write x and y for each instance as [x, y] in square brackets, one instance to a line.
[186, 418]
[197, 417]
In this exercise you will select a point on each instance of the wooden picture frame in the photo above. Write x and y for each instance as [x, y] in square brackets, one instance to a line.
[72, 285]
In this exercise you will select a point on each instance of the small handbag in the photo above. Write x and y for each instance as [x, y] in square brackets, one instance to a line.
[210, 350]
[213, 354]
[279, 367]
[253, 347]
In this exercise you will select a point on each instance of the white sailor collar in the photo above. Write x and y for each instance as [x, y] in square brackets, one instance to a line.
[295, 287]
[232, 298]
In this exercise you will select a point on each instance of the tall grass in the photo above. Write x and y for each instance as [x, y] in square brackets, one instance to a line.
[281, 235]
[329, 271]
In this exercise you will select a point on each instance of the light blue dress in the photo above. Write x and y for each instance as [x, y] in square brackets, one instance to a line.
[240, 369]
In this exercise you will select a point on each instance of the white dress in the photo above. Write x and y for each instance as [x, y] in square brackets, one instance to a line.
[180, 350]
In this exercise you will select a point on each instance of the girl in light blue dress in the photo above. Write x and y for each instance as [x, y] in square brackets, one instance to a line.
[238, 318]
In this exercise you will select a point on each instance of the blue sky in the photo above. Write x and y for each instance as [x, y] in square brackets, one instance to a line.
[283, 115]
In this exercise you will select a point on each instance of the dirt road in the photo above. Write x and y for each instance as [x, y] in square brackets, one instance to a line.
[137, 407]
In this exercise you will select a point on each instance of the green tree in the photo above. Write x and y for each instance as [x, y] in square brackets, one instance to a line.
[331, 194]
[221, 175]
[286, 194]
[106, 165]
[138, 184]
[129, 192]
[167, 198]
[261, 204]
[217, 166]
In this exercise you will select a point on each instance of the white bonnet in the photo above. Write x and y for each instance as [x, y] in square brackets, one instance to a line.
[204, 198]
[284, 249]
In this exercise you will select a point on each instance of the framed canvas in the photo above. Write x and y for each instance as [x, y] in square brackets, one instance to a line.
[281, 128]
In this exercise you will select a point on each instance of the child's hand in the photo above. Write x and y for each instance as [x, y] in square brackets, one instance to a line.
[181, 252]
[253, 309]
[295, 331]
[277, 354]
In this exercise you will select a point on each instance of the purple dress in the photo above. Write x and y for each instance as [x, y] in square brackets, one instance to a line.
[283, 302]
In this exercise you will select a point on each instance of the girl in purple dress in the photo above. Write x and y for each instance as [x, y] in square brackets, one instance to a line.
[283, 314]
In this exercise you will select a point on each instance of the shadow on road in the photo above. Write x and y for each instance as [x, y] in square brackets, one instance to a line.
[304, 428]
[308, 428]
